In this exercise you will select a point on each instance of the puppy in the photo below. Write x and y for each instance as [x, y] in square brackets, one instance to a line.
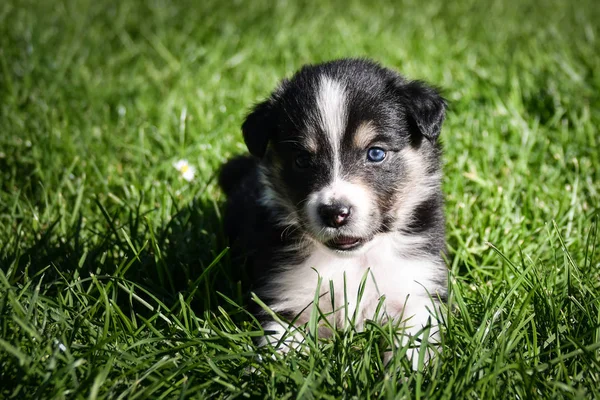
[342, 194]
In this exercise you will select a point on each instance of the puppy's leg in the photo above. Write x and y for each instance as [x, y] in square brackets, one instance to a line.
[419, 319]
[286, 336]
[283, 337]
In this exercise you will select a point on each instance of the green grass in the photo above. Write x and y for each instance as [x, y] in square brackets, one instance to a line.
[114, 275]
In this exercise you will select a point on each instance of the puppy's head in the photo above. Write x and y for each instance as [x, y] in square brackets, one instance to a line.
[348, 150]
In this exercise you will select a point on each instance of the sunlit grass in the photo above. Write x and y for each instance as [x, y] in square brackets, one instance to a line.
[115, 278]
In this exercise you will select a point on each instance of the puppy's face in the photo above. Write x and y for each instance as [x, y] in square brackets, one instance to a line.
[348, 150]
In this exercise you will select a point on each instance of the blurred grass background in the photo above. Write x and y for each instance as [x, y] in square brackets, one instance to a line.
[111, 265]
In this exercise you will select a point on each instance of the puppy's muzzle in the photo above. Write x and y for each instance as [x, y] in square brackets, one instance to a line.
[335, 215]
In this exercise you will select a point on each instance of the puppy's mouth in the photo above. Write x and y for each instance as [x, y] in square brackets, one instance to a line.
[345, 243]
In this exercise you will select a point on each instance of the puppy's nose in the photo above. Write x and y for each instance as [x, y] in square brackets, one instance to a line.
[334, 215]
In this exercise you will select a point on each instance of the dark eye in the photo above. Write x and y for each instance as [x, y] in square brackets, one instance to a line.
[376, 154]
[302, 161]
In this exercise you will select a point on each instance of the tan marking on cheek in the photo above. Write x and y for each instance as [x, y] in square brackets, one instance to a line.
[413, 179]
[415, 166]
[416, 187]
[364, 134]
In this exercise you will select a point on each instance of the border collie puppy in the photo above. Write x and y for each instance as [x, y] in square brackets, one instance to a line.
[342, 187]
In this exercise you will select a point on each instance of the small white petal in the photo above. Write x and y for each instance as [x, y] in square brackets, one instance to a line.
[189, 174]
[181, 164]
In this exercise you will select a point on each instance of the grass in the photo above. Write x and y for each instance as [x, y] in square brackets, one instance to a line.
[115, 279]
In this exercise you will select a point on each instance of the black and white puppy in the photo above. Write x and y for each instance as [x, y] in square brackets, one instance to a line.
[343, 182]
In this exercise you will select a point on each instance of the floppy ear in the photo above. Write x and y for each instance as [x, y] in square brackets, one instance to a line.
[257, 129]
[426, 108]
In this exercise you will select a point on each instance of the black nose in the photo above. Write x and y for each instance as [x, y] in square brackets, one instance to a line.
[334, 215]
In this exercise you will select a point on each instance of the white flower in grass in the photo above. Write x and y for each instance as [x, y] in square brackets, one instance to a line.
[187, 171]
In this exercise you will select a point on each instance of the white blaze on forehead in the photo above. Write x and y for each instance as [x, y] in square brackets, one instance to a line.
[333, 114]
[332, 109]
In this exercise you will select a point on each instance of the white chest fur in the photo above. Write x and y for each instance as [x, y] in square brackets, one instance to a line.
[407, 282]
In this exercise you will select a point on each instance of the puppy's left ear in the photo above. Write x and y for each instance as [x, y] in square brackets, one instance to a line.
[425, 106]
[257, 129]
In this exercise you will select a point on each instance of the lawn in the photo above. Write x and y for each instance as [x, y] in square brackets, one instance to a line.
[115, 280]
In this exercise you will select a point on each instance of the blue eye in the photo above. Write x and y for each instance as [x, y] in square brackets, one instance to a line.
[376, 154]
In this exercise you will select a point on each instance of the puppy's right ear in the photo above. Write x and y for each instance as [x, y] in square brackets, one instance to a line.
[257, 128]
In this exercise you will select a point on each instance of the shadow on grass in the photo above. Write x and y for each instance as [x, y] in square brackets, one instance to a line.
[186, 258]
